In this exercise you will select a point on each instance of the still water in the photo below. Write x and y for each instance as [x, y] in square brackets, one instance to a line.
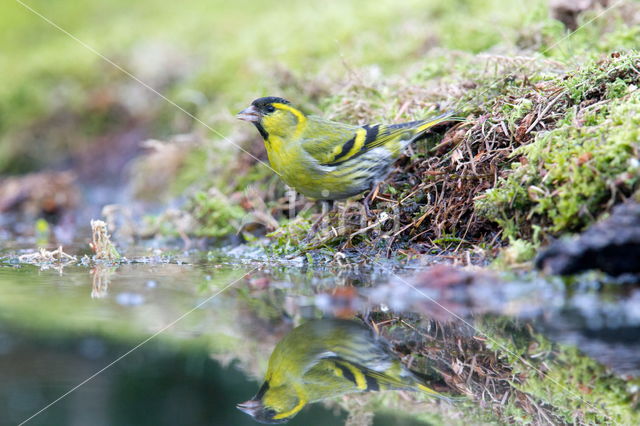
[184, 339]
[58, 328]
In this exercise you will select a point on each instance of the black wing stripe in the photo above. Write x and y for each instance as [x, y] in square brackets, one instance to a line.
[372, 134]
[372, 383]
[370, 137]
[347, 374]
[345, 148]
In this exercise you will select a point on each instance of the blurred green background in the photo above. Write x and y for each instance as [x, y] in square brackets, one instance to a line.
[63, 106]
[210, 57]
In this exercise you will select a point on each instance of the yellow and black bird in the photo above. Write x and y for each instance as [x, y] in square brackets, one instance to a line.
[326, 358]
[327, 160]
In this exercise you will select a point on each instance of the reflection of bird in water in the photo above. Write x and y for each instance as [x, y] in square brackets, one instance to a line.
[327, 358]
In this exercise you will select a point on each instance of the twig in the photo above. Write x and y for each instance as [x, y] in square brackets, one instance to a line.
[544, 112]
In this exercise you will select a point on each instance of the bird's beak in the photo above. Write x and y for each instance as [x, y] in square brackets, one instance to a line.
[250, 407]
[250, 114]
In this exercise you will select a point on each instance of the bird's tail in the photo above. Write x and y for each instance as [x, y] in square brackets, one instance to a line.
[447, 116]
[438, 395]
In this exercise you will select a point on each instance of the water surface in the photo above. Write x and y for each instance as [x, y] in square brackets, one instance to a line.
[200, 329]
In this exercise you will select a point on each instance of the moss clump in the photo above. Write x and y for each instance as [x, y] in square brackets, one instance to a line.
[571, 174]
[288, 238]
[216, 215]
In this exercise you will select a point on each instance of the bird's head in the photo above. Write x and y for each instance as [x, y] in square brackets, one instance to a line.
[273, 116]
[273, 405]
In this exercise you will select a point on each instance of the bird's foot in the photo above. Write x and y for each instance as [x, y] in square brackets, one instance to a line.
[366, 202]
[327, 207]
[315, 226]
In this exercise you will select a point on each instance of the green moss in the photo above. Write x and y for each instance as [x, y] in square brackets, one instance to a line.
[561, 179]
[571, 174]
[216, 215]
[517, 253]
[288, 238]
[599, 33]
[516, 111]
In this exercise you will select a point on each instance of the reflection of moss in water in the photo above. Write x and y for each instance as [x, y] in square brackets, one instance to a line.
[266, 306]
[580, 388]
[569, 386]
[458, 359]
[556, 383]
[63, 306]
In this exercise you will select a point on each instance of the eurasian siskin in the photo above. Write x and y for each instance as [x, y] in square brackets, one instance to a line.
[327, 358]
[327, 160]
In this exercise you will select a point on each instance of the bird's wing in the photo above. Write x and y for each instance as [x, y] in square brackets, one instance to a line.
[332, 147]
[339, 376]
[334, 143]
[389, 381]
[328, 142]
[364, 378]
[389, 134]
[395, 376]
[335, 376]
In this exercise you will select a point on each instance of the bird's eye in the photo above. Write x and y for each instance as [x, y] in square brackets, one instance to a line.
[270, 108]
[270, 413]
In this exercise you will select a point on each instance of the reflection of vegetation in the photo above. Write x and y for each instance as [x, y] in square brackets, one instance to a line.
[516, 376]
[101, 277]
[520, 375]
[323, 359]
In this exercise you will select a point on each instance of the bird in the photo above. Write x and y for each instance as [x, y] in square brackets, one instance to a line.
[328, 160]
[325, 358]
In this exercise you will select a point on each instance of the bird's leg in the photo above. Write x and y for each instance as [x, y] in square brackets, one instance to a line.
[373, 193]
[327, 207]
